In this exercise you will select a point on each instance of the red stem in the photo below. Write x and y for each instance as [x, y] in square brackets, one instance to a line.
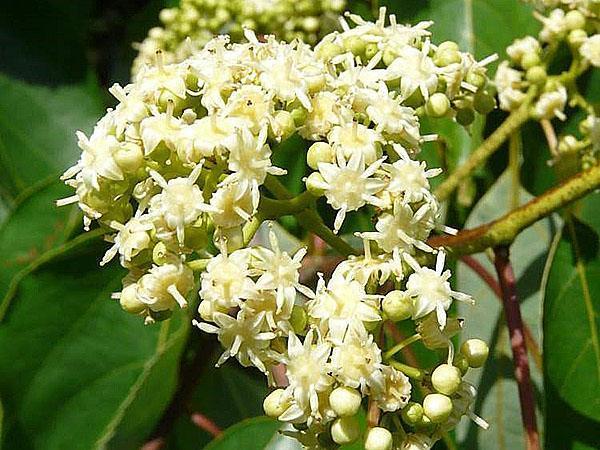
[512, 311]
[204, 423]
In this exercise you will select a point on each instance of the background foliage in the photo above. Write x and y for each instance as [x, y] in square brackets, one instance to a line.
[77, 373]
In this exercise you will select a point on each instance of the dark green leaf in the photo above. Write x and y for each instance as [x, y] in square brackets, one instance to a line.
[250, 434]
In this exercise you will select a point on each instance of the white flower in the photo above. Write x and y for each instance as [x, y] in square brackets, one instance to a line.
[327, 111]
[165, 286]
[416, 71]
[552, 104]
[180, 203]
[130, 240]
[233, 206]
[307, 369]
[389, 116]
[555, 24]
[226, 281]
[348, 185]
[241, 337]
[431, 290]
[590, 50]
[356, 138]
[523, 46]
[395, 392]
[251, 106]
[204, 137]
[409, 177]
[508, 82]
[161, 127]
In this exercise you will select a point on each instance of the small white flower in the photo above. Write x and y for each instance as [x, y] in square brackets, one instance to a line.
[165, 286]
[508, 82]
[395, 392]
[523, 46]
[416, 71]
[552, 104]
[130, 240]
[555, 24]
[204, 137]
[355, 138]
[409, 177]
[590, 50]
[233, 206]
[161, 127]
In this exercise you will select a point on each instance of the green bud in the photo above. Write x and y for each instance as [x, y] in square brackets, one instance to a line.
[483, 102]
[476, 351]
[129, 300]
[530, 60]
[298, 319]
[447, 57]
[355, 44]
[536, 75]
[328, 50]
[412, 414]
[275, 403]
[345, 401]
[389, 56]
[129, 157]
[448, 45]
[574, 20]
[378, 438]
[446, 379]
[461, 362]
[476, 79]
[397, 306]
[437, 105]
[319, 152]
[160, 254]
[283, 125]
[576, 38]
[299, 116]
[313, 184]
[465, 116]
[345, 430]
[437, 407]
[371, 50]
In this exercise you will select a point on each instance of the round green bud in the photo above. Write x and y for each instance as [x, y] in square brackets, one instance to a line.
[298, 319]
[355, 44]
[437, 105]
[536, 75]
[465, 116]
[328, 50]
[371, 50]
[160, 254]
[397, 306]
[313, 184]
[319, 152]
[476, 351]
[129, 300]
[412, 414]
[345, 401]
[446, 379]
[461, 362]
[574, 20]
[530, 60]
[448, 45]
[476, 79]
[389, 56]
[425, 423]
[447, 57]
[275, 403]
[129, 157]
[576, 38]
[167, 15]
[345, 430]
[299, 116]
[378, 438]
[283, 125]
[483, 102]
[437, 407]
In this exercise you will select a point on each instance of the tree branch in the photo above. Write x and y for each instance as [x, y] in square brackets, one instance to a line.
[504, 230]
[512, 311]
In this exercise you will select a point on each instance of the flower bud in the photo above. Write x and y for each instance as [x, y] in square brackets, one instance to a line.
[298, 319]
[448, 45]
[446, 379]
[282, 126]
[461, 362]
[446, 57]
[371, 50]
[345, 430]
[299, 116]
[129, 300]
[437, 407]
[574, 20]
[160, 254]
[275, 403]
[529, 60]
[355, 44]
[465, 116]
[397, 306]
[536, 75]
[576, 38]
[319, 152]
[328, 50]
[345, 401]
[129, 157]
[313, 184]
[389, 56]
[378, 438]
[483, 102]
[476, 351]
[438, 105]
[476, 78]
[412, 414]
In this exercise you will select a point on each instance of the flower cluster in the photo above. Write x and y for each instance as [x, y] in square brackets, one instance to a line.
[189, 26]
[178, 174]
[525, 74]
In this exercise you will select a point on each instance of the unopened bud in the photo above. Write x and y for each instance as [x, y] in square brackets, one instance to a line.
[529, 60]
[345, 401]
[314, 184]
[574, 20]
[319, 152]
[378, 438]
[355, 44]
[483, 102]
[283, 125]
[465, 116]
[397, 306]
[129, 157]
[446, 379]
[437, 105]
[129, 300]
[536, 75]
[371, 50]
[412, 414]
[345, 430]
[576, 38]
[461, 362]
[298, 319]
[275, 403]
[437, 407]
[476, 351]
[328, 50]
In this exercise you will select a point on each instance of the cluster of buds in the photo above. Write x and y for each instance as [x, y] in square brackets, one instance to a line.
[178, 173]
[575, 23]
[189, 26]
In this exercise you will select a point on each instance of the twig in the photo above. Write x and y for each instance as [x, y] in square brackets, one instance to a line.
[504, 230]
[512, 311]
[204, 423]
[488, 279]
[550, 136]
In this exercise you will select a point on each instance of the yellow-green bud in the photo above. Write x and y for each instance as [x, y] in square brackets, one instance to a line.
[397, 306]
[483, 102]
[476, 351]
[437, 105]
[461, 362]
[129, 157]
[437, 407]
[389, 56]
[576, 38]
[345, 430]
[275, 403]
[412, 414]
[355, 44]
[310, 24]
[298, 319]
[371, 50]
[448, 45]
[328, 50]
[129, 300]
[574, 20]
[283, 125]
[536, 75]
[160, 254]
[446, 57]
[446, 379]
[299, 116]
[319, 152]
[529, 60]
[345, 401]
[378, 438]
[313, 184]
[476, 79]
[465, 116]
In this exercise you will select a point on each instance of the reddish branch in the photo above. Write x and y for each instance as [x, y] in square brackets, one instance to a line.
[204, 423]
[512, 311]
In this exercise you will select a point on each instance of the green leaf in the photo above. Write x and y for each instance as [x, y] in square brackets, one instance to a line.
[78, 372]
[37, 130]
[498, 400]
[250, 434]
[572, 319]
